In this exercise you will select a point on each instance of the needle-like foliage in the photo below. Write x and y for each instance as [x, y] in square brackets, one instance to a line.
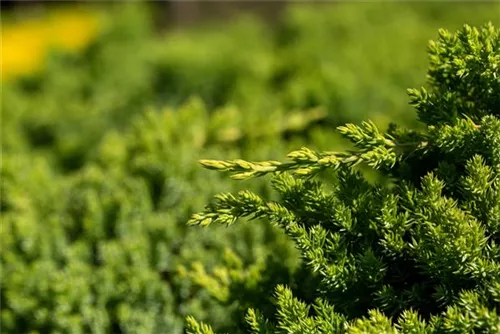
[417, 254]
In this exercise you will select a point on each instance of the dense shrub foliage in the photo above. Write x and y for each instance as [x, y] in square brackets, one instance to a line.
[417, 254]
[99, 152]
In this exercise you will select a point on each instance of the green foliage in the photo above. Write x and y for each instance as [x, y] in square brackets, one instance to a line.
[418, 254]
[103, 250]
[99, 175]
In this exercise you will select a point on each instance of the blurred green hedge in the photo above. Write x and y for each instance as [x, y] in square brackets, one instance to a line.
[99, 157]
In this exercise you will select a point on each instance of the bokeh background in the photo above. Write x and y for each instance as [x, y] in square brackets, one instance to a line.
[106, 108]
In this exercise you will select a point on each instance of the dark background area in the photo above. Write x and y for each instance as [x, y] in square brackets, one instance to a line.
[178, 13]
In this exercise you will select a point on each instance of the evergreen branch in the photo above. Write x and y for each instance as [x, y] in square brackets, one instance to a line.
[257, 323]
[420, 255]
[376, 149]
[228, 208]
[306, 162]
[195, 327]
[366, 136]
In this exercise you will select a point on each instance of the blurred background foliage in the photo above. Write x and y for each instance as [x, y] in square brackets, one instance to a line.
[106, 109]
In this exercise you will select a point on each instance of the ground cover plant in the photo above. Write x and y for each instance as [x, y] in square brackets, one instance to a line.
[419, 253]
[99, 151]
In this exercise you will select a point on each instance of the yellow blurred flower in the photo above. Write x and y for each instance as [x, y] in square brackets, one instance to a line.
[25, 44]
